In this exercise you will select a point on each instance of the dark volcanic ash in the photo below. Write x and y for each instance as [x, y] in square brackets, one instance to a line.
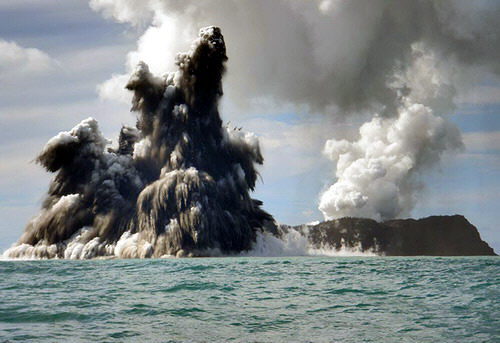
[178, 184]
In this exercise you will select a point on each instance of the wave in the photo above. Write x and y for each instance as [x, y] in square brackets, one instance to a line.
[296, 242]
[290, 242]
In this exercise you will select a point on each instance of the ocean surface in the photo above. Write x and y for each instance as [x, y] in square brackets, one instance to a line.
[252, 299]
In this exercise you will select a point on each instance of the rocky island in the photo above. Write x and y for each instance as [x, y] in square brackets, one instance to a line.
[432, 236]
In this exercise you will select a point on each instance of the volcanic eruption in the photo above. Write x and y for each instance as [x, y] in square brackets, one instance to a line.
[177, 184]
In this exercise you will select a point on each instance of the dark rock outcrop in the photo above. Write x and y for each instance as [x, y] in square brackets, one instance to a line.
[433, 236]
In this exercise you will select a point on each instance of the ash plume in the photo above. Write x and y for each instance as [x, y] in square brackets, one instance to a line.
[330, 55]
[402, 61]
[177, 184]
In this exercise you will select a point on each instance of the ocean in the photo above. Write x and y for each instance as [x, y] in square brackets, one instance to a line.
[252, 299]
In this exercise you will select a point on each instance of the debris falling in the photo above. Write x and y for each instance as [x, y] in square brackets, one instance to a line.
[178, 184]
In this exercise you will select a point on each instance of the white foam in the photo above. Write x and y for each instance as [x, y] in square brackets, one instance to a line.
[291, 243]
[295, 243]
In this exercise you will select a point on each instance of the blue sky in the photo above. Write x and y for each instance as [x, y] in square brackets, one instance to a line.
[55, 87]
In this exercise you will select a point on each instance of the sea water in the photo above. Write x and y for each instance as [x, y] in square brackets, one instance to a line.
[252, 299]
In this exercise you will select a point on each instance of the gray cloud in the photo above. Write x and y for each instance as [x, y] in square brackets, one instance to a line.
[322, 53]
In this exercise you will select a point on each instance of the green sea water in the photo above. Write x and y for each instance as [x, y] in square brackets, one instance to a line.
[250, 299]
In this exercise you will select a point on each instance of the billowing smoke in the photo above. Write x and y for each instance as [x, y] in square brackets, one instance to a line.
[327, 54]
[402, 61]
[177, 184]
[378, 174]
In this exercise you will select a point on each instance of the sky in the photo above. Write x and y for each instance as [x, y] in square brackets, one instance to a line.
[57, 57]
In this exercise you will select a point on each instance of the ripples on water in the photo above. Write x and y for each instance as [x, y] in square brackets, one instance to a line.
[248, 299]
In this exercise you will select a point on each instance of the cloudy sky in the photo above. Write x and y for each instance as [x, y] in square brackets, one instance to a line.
[63, 61]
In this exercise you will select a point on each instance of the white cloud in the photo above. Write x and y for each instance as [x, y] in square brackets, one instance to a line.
[114, 89]
[16, 60]
[159, 57]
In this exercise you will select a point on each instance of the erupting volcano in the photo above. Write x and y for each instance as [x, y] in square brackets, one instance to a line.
[178, 183]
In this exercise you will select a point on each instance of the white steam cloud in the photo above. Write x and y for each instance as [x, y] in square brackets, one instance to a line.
[405, 61]
[377, 175]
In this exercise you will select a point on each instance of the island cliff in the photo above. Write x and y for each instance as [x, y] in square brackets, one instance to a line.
[433, 236]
